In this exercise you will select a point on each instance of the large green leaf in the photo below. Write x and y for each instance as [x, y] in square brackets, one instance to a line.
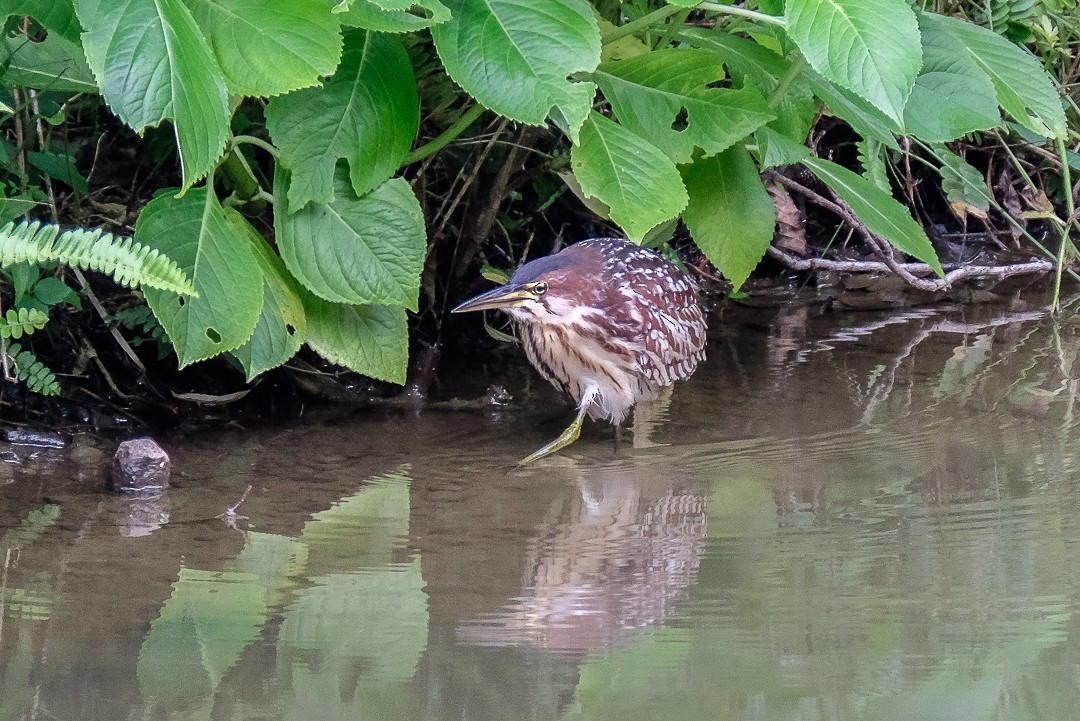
[195, 232]
[651, 93]
[152, 63]
[367, 114]
[369, 15]
[55, 63]
[748, 61]
[777, 149]
[730, 216]
[634, 178]
[515, 57]
[356, 250]
[1024, 89]
[864, 118]
[952, 96]
[267, 47]
[57, 16]
[882, 214]
[282, 325]
[868, 46]
[370, 339]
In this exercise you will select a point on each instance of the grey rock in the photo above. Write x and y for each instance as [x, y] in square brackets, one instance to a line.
[140, 466]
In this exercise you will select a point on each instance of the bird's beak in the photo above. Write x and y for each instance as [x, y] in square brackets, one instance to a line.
[505, 296]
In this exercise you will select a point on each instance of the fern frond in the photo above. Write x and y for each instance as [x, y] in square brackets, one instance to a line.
[24, 321]
[872, 159]
[129, 263]
[35, 374]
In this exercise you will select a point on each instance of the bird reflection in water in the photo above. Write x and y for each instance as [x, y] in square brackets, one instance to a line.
[614, 554]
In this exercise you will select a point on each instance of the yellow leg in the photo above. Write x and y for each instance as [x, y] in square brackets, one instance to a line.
[565, 438]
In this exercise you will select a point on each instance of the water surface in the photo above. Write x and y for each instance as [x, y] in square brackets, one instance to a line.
[842, 515]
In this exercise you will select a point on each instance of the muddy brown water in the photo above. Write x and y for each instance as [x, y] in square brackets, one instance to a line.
[843, 515]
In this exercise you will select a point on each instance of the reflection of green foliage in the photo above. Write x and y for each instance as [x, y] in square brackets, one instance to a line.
[346, 644]
[350, 642]
[35, 523]
[201, 632]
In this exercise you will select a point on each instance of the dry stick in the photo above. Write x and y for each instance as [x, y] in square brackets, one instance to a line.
[999, 272]
[94, 301]
[907, 271]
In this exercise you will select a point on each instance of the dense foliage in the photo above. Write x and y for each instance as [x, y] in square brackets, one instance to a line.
[651, 113]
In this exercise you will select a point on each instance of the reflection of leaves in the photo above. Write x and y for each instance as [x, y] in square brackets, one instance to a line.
[966, 360]
[32, 526]
[203, 628]
[352, 639]
[361, 531]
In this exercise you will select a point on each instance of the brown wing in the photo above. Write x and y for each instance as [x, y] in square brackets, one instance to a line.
[659, 309]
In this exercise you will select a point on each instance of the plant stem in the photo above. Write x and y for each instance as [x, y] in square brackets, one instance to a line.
[752, 14]
[658, 15]
[257, 142]
[1070, 213]
[788, 78]
[673, 27]
[446, 137]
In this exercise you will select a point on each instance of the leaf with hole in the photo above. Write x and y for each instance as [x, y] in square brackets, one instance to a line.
[282, 325]
[868, 46]
[356, 250]
[516, 57]
[878, 210]
[366, 114]
[196, 233]
[265, 47]
[632, 177]
[57, 16]
[730, 215]
[153, 63]
[665, 96]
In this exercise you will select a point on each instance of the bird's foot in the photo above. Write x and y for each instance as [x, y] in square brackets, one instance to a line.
[565, 438]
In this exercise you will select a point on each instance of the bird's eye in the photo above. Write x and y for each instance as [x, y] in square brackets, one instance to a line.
[540, 288]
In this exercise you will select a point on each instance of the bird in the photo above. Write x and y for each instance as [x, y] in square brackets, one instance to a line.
[607, 322]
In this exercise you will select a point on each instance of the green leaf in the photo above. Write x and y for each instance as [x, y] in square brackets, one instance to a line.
[882, 214]
[652, 94]
[873, 161]
[55, 63]
[368, 15]
[50, 291]
[631, 176]
[370, 339]
[964, 186]
[1024, 89]
[59, 167]
[953, 96]
[356, 250]
[266, 47]
[775, 149]
[730, 216]
[864, 118]
[367, 114]
[515, 57]
[282, 325]
[24, 321]
[868, 46]
[748, 61]
[152, 63]
[195, 232]
[57, 16]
